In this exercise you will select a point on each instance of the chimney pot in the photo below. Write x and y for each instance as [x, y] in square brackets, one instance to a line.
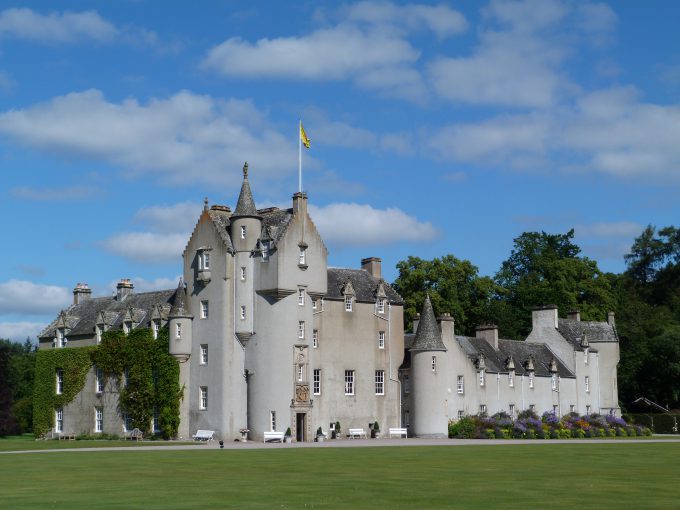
[611, 319]
[574, 315]
[81, 292]
[124, 289]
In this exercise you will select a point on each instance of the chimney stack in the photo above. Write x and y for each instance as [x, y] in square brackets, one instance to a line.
[574, 315]
[81, 292]
[446, 327]
[124, 289]
[415, 322]
[610, 319]
[488, 332]
[373, 265]
[300, 203]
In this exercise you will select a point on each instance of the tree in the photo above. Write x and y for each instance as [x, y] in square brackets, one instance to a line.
[547, 269]
[454, 285]
[17, 365]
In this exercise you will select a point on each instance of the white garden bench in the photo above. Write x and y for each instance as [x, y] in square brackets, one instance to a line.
[395, 431]
[204, 435]
[353, 433]
[272, 436]
[134, 434]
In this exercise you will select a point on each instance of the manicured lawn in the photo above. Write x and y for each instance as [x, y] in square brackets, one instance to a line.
[621, 475]
[28, 442]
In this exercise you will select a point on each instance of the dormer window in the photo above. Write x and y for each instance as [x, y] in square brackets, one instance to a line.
[155, 327]
[204, 264]
[482, 377]
[243, 231]
[585, 355]
[381, 305]
[98, 333]
[531, 379]
[265, 252]
[206, 260]
[511, 379]
[349, 303]
[127, 327]
[60, 340]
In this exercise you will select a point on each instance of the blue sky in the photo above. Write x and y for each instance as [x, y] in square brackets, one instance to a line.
[436, 128]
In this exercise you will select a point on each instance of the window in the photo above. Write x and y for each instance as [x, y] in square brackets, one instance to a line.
[512, 411]
[126, 375]
[243, 231]
[99, 379]
[381, 339]
[155, 326]
[588, 410]
[531, 379]
[204, 261]
[204, 354]
[299, 373]
[587, 384]
[128, 422]
[349, 382]
[178, 330]
[303, 257]
[315, 338]
[348, 303]
[434, 363]
[98, 334]
[98, 419]
[572, 408]
[553, 382]
[59, 419]
[127, 327]
[511, 379]
[156, 420]
[482, 377]
[407, 419]
[60, 340]
[301, 297]
[265, 252]
[243, 312]
[317, 381]
[243, 274]
[407, 384]
[585, 356]
[60, 381]
[482, 409]
[272, 420]
[314, 304]
[322, 304]
[461, 414]
[555, 410]
[532, 407]
[301, 329]
[381, 305]
[203, 400]
[379, 382]
[204, 309]
[461, 385]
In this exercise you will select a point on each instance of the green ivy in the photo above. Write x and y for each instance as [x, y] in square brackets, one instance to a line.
[152, 378]
[75, 363]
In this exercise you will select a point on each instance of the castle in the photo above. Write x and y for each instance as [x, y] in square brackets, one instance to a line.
[267, 337]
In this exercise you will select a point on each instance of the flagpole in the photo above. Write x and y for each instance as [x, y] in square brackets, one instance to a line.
[300, 157]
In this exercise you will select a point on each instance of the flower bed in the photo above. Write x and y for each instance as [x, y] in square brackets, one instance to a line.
[529, 426]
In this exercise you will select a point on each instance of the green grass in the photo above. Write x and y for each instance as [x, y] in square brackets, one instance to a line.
[623, 474]
[28, 442]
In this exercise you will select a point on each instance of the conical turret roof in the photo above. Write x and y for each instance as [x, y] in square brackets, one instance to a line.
[179, 308]
[428, 337]
[246, 204]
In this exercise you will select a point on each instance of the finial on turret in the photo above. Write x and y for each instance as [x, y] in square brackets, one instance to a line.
[245, 170]
[205, 204]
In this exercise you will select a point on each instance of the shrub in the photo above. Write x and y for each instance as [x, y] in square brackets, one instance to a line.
[464, 428]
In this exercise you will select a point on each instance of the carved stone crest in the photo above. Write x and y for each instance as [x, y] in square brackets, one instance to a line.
[302, 393]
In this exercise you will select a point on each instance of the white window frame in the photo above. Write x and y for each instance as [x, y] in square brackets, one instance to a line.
[59, 389]
[155, 327]
[460, 385]
[587, 384]
[61, 338]
[98, 334]
[316, 381]
[302, 259]
[99, 419]
[178, 330]
[265, 252]
[349, 303]
[381, 339]
[434, 363]
[59, 419]
[553, 382]
[381, 305]
[461, 414]
[204, 354]
[301, 297]
[482, 409]
[511, 379]
[300, 373]
[203, 398]
[349, 382]
[301, 329]
[531, 379]
[204, 261]
[379, 382]
[243, 273]
[127, 422]
[511, 408]
[482, 378]
[585, 356]
[205, 310]
[243, 312]
[99, 380]
[127, 327]
[156, 420]
[315, 338]
[314, 304]
[272, 421]
[243, 231]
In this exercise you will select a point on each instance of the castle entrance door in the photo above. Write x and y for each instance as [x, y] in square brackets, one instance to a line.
[301, 427]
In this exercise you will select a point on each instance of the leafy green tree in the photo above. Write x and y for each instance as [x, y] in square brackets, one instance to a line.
[547, 269]
[17, 364]
[454, 285]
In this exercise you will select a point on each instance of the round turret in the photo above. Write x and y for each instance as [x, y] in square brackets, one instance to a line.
[179, 322]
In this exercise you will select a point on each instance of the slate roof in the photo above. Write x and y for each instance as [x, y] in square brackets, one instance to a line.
[274, 223]
[84, 315]
[520, 352]
[222, 224]
[364, 284]
[246, 204]
[597, 332]
[179, 304]
[428, 337]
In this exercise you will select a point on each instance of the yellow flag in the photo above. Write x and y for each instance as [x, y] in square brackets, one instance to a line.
[303, 136]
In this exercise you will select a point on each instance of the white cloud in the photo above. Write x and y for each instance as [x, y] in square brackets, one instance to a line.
[441, 19]
[55, 194]
[19, 331]
[187, 138]
[24, 297]
[147, 246]
[350, 224]
[610, 229]
[23, 23]
[181, 217]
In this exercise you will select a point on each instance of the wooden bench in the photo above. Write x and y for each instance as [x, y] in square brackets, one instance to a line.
[134, 434]
[395, 431]
[204, 435]
[272, 436]
[354, 433]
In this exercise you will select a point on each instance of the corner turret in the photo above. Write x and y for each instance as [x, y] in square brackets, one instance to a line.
[180, 319]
